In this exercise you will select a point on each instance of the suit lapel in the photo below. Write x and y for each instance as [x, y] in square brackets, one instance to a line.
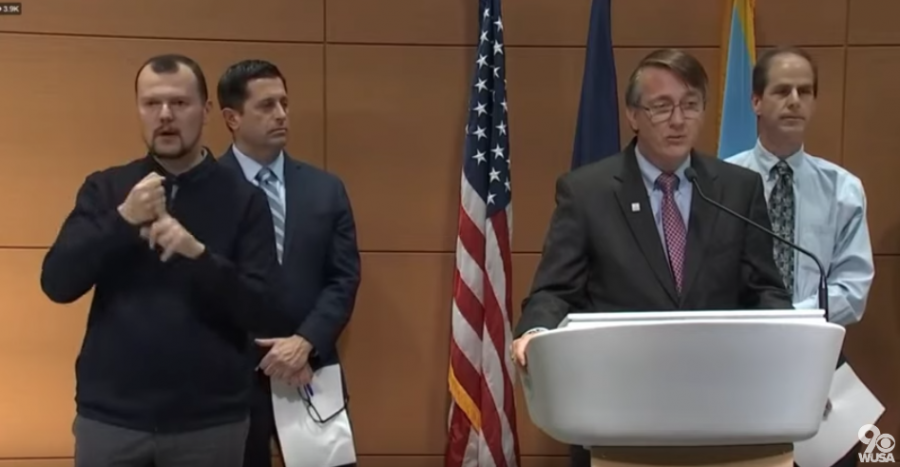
[229, 160]
[632, 192]
[702, 221]
[296, 194]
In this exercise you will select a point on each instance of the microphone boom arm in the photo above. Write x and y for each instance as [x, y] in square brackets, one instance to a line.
[691, 175]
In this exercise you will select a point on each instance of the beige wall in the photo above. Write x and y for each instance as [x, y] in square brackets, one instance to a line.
[380, 99]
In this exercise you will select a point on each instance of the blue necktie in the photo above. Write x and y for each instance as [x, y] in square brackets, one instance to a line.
[267, 182]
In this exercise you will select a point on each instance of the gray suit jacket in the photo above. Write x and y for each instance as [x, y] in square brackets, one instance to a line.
[601, 256]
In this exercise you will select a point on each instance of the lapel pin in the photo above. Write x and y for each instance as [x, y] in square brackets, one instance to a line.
[635, 207]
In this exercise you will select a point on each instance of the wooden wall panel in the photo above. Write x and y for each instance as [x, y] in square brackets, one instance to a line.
[61, 462]
[543, 93]
[396, 123]
[262, 20]
[38, 344]
[79, 115]
[872, 346]
[873, 22]
[824, 22]
[636, 23]
[396, 347]
[401, 22]
[661, 23]
[871, 139]
[438, 22]
[533, 441]
[698, 23]
[547, 23]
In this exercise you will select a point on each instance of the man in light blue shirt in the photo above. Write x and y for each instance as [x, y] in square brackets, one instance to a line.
[816, 203]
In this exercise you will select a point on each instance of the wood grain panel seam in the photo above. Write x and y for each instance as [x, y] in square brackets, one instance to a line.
[325, 88]
[547, 46]
[518, 46]
[577, 47]
[435, 252]
[844, 95]
[444, 45]
[153, 38]
[392, 252]
[886, 45]
[43, 458]
[553, 46]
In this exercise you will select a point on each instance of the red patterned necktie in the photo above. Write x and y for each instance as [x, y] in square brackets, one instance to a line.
[673, 226]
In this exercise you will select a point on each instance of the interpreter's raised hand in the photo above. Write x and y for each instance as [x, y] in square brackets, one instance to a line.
[172, 237]
[146, 201]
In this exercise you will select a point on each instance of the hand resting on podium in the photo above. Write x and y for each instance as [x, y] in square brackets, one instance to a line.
[517, 349]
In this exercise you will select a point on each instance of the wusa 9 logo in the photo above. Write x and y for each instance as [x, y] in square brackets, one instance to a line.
[878, 446]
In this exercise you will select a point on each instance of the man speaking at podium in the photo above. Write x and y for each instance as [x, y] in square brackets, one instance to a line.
[631, 233]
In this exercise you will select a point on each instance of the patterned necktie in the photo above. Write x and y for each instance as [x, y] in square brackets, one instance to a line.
[673, 226]
[267, 181]
[781, 213]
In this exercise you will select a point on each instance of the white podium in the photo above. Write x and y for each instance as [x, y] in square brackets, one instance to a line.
[683, 388]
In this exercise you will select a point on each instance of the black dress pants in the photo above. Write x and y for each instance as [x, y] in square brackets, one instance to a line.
[258, 452]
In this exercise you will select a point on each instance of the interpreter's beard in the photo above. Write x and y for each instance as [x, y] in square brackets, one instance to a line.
[171, 150]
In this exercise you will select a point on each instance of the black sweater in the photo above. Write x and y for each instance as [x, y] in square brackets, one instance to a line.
[167, 346]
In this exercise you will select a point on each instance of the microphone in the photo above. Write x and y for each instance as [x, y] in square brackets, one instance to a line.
[691, 175]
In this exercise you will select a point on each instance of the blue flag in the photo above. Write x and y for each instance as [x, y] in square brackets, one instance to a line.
[737, 121]
[597, 131]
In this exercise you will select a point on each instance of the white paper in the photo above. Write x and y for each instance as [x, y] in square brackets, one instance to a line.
[852, 406]
[304, 441]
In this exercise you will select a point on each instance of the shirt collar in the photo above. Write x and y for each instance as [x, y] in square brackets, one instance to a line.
[651, 172]
[767, 160]
[251, 167]
[207, 162]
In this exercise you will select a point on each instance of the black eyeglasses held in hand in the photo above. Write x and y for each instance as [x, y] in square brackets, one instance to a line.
[314, 413]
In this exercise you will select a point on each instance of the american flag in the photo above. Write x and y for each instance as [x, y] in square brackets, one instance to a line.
[482, 429]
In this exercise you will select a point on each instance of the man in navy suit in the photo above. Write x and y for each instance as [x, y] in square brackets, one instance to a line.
[315, 238]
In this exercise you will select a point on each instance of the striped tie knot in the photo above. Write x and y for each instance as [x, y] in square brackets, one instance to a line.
[265, 175]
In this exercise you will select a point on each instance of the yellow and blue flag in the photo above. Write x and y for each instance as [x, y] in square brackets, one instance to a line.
[737, 121]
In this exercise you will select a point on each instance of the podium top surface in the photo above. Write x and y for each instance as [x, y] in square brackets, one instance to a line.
[813, 316]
